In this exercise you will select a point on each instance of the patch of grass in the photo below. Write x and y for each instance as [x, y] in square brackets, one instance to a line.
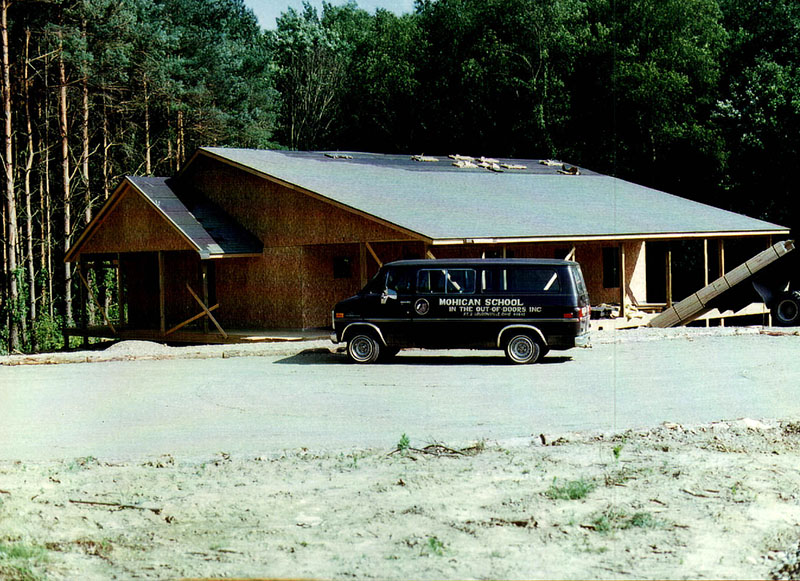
[18, 562]
[404, 443]
[570, 490]
[435, 547]
[613, 519]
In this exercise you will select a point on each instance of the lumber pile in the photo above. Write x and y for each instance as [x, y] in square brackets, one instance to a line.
[696, 304]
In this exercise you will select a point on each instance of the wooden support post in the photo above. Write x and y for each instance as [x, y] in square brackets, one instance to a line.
[669, 276]
[82, 314]
[705, 270]
[721, 267]
[120, 292]
[623, 286]
[207, 311]
[204, 275]
[161, 294]
[362, 263]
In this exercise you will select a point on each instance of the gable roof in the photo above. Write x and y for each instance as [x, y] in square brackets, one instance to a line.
[211, 232]
[447, 204]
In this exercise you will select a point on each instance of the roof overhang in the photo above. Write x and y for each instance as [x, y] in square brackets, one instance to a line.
[606, 238]
[194, 220]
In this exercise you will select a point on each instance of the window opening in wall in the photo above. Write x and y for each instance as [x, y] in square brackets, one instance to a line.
[342, 267]
[611, 267]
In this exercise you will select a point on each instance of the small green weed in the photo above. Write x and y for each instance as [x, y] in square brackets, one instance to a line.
[613, 519]
[435, 546]
[404, 443]
[570, 490]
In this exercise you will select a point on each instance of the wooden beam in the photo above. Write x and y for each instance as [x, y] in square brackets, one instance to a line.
[705, 269]
[204, 275]
[623, 286]
[721, 267]
[207, 311]
[374, 255]
[191, 320]
[362, 263]
[120, 291]
[161, 294]
[668, 265]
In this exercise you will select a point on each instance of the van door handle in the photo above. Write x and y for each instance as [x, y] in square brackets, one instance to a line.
[405, 302]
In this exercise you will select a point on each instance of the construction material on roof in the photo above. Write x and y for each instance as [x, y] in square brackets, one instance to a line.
[699, 303]
[446, 204]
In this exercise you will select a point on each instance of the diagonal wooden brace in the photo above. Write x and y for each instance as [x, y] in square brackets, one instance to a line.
[190, 320]
[207, 311]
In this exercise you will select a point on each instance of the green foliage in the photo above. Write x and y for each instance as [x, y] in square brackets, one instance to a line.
[570, 490]
[404, 443]
[435, 547]
[613, 519]
[21, 562]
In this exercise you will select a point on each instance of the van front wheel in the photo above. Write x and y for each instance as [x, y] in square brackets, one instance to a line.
[523, 349]
[363, 348]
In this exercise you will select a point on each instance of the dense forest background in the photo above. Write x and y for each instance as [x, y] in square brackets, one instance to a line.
[696, 97]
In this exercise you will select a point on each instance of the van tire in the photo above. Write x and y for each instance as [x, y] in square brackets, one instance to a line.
[522, 348]
[363, 348]
[786, 310]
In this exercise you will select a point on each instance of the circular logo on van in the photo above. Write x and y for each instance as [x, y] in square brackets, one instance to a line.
[422, 306]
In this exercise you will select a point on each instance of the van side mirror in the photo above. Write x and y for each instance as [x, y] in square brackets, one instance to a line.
[388, 294]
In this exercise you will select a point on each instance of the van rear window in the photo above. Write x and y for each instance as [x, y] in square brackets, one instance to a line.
[446, 281]
[521, 280]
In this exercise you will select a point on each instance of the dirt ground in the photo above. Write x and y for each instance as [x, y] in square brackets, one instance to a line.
[710, 501]
[720, 500]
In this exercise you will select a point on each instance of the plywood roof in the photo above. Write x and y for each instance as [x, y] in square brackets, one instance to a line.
[448, 204]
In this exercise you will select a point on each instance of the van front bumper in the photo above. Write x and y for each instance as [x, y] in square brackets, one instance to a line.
[334, 338]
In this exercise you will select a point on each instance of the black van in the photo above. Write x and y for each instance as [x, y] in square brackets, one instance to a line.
[524, 306]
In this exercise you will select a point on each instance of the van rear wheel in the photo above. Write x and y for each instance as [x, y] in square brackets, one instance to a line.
[363, 348]
[523, 349]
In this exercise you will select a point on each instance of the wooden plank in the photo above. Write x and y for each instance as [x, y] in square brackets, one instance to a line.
[688, 306]
[161, 293]
[623, 287]
[191, 320]
[713, 290]
[374, 255]
[738, 274]
[669, 276]
[207, 311]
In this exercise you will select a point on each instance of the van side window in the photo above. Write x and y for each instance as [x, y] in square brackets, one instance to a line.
[521, 280]
[446, 281]
[400, 280]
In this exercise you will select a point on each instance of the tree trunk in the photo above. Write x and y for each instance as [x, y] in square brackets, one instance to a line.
[147, 166]
[28, 194]
[63, 132]
[11, 202]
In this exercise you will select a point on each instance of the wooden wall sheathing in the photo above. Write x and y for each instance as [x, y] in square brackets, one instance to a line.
[181, 268]
[320, 290]
[278, 215]
[134, 226]
[263, 292]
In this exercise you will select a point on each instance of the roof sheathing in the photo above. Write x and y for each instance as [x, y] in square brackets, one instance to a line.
[448, 204]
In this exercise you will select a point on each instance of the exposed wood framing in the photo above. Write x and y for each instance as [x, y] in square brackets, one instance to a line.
[161, 294]
[623, 283]
[668, 266]
[96, 302]
[207, 311]
[374, 255]
[191, 320]
[570, 255]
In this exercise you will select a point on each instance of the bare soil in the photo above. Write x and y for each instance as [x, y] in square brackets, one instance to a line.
[709, 501]
[717, 501]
